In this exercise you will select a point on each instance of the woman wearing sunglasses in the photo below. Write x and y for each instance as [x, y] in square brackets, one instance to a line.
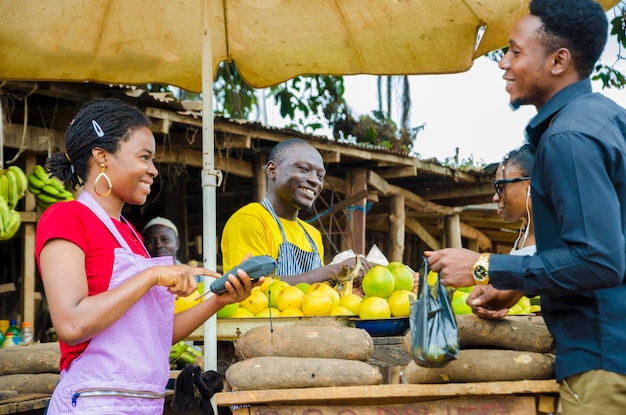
[512, 185]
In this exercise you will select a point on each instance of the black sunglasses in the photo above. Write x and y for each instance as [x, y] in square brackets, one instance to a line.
[500, 184]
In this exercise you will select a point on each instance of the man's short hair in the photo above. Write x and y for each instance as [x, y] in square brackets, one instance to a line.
[280, 150]
[580, 26]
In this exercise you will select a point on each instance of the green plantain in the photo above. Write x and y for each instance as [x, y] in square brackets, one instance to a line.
[22, 180]
[4, 186]
[41, 173]
[12, 195]
[11, 229]
[5, 213]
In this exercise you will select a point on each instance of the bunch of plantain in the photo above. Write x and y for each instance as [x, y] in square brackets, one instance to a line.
[47, 189]
[182, 354]
[13, 184]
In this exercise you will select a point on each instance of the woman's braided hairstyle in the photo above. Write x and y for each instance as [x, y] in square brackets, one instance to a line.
[103, 123]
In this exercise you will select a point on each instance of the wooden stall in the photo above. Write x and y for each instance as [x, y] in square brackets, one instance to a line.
[511, 398]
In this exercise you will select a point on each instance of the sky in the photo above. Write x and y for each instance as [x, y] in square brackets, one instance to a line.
[468, 110]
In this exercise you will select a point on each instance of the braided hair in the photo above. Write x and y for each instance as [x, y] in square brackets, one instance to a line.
[103, 123]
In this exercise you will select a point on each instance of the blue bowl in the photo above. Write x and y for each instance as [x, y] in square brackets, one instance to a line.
[384, 327]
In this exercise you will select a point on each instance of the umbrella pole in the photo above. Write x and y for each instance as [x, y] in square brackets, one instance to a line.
[209, 182]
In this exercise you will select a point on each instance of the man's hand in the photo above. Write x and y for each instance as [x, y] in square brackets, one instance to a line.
[491, 303]
[454, 266]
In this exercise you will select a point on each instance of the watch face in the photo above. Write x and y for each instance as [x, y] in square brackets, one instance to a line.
[480, 273]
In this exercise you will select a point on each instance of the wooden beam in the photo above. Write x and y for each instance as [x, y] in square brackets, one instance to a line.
[420, 204]
[396, 229]
[36, 139]
[376, 182]
[396, 172]
[228, 141]
[482, 189]
[193, 158]
[484, 243]
[350, 201]
[335, 184]
[415, 227]
[259, 181]
[173, 117]
[452, 231]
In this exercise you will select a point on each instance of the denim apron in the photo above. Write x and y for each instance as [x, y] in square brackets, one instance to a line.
[124, 369]
[291, 259]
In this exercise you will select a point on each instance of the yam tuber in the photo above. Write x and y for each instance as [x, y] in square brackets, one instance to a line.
[274, 372]
[522, 333]
[486, 365]
[327, 340]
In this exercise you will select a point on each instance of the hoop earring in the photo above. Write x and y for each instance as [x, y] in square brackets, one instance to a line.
[101, 175]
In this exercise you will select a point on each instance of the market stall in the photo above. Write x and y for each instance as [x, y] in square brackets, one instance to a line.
[512, 398]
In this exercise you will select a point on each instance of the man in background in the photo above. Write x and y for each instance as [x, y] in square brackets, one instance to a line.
[160, 236]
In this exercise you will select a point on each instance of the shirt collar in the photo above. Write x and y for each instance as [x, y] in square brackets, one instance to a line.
[540, 122]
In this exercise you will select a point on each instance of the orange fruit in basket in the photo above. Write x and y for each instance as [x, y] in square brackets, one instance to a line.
[227, 310]
[185, 303]
[352, 302]
[317, 303]
[402, 276]
[340, 311]
[400, 303]
[290, 297]
[268, 312]
[378, 282]
[292, 312]
[241, 312]
[326, 289]
[256, 302]
[374, 308]
[273, 291]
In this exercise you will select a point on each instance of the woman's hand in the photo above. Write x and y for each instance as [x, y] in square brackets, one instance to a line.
[237, 289]
[180, 279]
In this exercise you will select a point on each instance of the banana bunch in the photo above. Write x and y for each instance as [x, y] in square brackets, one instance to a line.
[47, 189]
[13, 184]
[182, 354]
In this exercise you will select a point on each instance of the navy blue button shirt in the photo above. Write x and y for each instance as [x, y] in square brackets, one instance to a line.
[579, 212]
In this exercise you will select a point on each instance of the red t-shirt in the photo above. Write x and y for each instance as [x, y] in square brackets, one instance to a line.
[76, 223]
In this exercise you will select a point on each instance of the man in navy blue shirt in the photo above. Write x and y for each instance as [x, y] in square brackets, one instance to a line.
[579, 207]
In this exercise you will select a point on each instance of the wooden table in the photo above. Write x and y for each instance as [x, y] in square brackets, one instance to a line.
[26, 403]
[494, 398]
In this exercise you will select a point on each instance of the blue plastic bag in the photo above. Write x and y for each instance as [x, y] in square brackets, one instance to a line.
[434, 334]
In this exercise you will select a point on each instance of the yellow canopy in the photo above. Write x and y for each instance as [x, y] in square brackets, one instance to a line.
[160, 41]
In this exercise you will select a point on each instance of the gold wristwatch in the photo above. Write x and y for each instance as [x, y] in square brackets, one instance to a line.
[480, 271]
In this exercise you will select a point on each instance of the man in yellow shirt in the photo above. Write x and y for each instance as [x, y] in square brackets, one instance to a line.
[295, 172]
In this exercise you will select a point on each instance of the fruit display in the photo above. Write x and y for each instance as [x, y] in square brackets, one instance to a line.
[13, 184]
[47, 189]
[388, 293]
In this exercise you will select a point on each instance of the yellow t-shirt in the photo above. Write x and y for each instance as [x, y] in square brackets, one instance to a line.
[252, 229]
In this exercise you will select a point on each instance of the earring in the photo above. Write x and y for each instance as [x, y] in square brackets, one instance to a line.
[95, 184]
